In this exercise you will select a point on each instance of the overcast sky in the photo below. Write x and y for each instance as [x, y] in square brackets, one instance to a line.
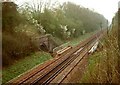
[108, 8]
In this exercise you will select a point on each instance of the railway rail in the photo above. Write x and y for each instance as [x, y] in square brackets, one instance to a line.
[54, 71]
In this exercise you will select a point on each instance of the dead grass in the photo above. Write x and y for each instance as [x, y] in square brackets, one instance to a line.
[103, 65]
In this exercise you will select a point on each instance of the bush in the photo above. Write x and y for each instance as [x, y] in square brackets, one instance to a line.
[16, 46]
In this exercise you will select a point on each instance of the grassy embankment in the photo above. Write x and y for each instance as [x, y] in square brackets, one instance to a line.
[103, 64]
[24, 64]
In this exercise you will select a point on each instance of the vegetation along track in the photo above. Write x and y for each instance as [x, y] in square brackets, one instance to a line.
[50, 71]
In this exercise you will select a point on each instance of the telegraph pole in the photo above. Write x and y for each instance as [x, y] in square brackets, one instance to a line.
[101, 26]
[119, 24]
[107, 28]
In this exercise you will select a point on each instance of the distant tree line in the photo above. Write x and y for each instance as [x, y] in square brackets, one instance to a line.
[64, 21]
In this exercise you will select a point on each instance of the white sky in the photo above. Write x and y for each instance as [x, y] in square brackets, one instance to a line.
[108, 8]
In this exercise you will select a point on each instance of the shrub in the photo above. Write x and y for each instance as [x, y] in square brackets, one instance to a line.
[16, 46]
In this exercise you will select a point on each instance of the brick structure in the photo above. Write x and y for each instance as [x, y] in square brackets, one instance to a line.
[46, 43]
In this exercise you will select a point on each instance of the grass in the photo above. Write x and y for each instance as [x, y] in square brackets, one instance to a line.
[103, 65]
[16, 46]
[23, 65]
[93, 60]
[100, 69]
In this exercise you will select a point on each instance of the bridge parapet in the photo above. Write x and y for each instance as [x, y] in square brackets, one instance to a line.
[46, 43]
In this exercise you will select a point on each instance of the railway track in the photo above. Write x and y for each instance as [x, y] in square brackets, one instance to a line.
[57, 69]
